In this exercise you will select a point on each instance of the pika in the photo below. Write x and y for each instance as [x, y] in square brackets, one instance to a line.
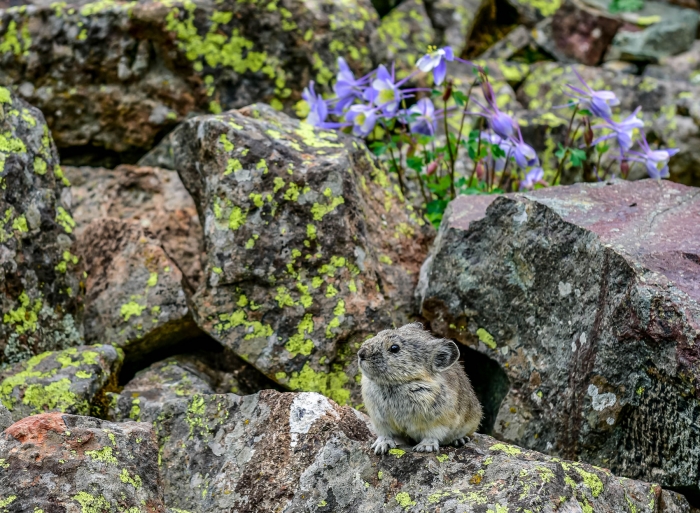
[413, 387]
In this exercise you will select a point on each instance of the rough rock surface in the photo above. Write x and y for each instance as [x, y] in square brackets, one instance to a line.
[532, 11]
[583, 34]
[116, 75]
[54, 462]
[587, 296]
[224, 453]
[310, 247]
[5, 417]
[670, 110]
[684, 66]
[154, 197]
[39, 282]
[405, 32]
[453, 21]
[133, 293]
[71, 381]
[184, 375]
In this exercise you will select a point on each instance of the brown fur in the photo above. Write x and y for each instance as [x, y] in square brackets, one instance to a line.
[418, 391]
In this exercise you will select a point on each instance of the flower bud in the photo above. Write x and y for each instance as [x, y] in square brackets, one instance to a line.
[432, 167]
[480, 171]
[588, 132]
[624, 168]
[448, 91]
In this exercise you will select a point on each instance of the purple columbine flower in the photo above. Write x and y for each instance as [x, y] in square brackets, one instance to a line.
[363, 119]
[499, 121]
[656, 161]
[598, 102]
[436, 61]
[384, 92]
[621, 130]
[506, 146]
[422, 117]
[531, 178]
[318, 107]
[525, 155]
[347, 88]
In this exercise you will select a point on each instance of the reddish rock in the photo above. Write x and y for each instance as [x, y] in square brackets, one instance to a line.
[583, 33]
[55, 462]
[154, 197]
[134, 296]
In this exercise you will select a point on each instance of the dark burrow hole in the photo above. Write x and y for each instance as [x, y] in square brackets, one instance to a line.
[212, 354]
[490, 383]
[691, 493]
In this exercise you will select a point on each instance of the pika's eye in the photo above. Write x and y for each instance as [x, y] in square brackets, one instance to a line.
[394, 348]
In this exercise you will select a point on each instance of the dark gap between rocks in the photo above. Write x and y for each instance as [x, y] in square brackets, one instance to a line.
[691, 494]
[492, 24]
[490, 383]
[213, 355]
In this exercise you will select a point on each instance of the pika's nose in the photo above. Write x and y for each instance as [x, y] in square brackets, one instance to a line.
[362, 353]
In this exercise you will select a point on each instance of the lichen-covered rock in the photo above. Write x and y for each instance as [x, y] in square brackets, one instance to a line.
[405, 33]
[74, 380]
[453, 21]
[143, 397]
[587, 296]
[224, 453]
[310, 247]
[684, 66]
[532, 11]
[154, 197]
[134, 297]
[117, 75]
[670, 110]
[55, 462]
[5, 417]
[39, 282]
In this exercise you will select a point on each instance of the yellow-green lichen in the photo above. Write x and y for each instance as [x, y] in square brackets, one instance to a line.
[127, 479]
[397, 452]
[404, 500]
[510, 450]
[104, 455]
[297, 344]
[331, 384]
[486, 338]
[131, 309]
[24, 318]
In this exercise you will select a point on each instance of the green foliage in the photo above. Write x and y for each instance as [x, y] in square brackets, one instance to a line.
[616, 6]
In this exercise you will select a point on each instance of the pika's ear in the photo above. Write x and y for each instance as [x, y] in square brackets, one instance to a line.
[445, 355]
[413, 325]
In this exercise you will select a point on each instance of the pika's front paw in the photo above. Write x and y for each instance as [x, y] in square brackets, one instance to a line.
[382, 445]
[428, 445]
[461, 441]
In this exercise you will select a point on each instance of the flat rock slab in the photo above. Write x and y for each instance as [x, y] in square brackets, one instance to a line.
[587, 296]
[115, 76]
[303, 453]
[310, 247]
[39, 271]
[154, 197]
[55, 462]
[134, 297]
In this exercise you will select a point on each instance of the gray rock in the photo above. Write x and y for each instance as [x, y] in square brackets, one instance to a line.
[405, 33]
[39, 271]
[55, 462]
[673, 32]
[5, 417]
[112, 77]
[516, 40]
[225, 453]
[684, 66]
[453, 21]
[532, 11]
[310, 247]
[185, 375]
[587, 298]
[75, 380]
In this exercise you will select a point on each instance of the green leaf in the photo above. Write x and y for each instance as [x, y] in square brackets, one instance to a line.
[415, 163]
[561, 152]
[576, 156]
[378, 148]
[625, 5]
[459, 97]
[497, 151]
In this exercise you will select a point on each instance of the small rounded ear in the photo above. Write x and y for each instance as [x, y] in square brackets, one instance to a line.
[413, 325]
[445, 355]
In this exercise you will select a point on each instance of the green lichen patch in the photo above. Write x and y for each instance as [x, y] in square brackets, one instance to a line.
[71, 381]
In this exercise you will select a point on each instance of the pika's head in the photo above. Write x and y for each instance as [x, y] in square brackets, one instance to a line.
[405, 354]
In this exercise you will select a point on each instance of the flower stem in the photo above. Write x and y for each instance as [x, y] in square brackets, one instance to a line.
[453, 192]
